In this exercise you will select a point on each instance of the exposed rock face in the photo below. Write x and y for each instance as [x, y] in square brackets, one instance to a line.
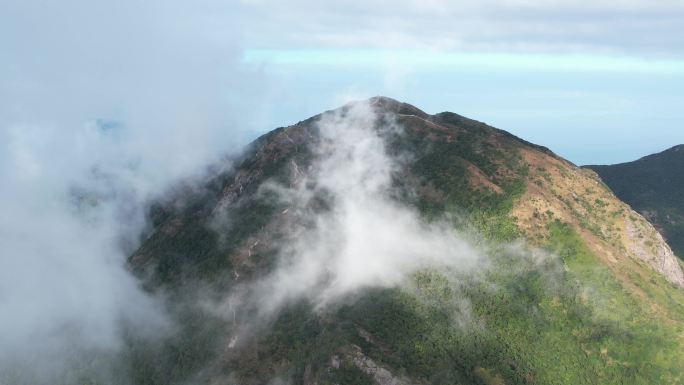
[378, 373]
[556, 189]
[645, 243]
[654, 187]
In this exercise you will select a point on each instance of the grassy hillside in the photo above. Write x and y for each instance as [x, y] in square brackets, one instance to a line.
[654, 186]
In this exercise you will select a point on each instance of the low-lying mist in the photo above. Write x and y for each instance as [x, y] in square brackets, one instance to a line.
[103, 108]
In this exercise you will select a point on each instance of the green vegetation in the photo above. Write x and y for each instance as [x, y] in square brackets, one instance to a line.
[555, 321]
[348, 374]
[529, 320]
[179, 358]
[638, 348]
[442, 162]
[555, 317]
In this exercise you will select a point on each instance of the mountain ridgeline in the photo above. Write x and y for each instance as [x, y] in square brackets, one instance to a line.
[378, 244]
[654, 186]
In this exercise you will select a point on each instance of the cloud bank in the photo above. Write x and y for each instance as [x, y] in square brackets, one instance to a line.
[103, 105]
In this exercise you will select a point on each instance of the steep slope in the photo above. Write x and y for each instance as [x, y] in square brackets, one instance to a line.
[378, 244]
[653, 186]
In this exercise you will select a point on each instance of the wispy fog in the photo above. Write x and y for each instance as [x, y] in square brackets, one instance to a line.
[362, 236]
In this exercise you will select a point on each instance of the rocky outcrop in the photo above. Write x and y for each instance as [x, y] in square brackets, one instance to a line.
[558, 190]
[380, 374]
[648, 245]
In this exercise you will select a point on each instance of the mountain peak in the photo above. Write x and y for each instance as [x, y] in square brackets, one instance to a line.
[321, 234]
[387, 104]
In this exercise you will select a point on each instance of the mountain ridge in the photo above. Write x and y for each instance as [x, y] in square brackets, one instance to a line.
[653, 185]
[377, 244]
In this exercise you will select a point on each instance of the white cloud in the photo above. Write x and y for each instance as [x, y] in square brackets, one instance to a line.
[366, 239]
[102, 106]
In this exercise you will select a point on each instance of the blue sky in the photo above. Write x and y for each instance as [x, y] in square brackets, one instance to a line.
[596, 81]
[589, 108]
